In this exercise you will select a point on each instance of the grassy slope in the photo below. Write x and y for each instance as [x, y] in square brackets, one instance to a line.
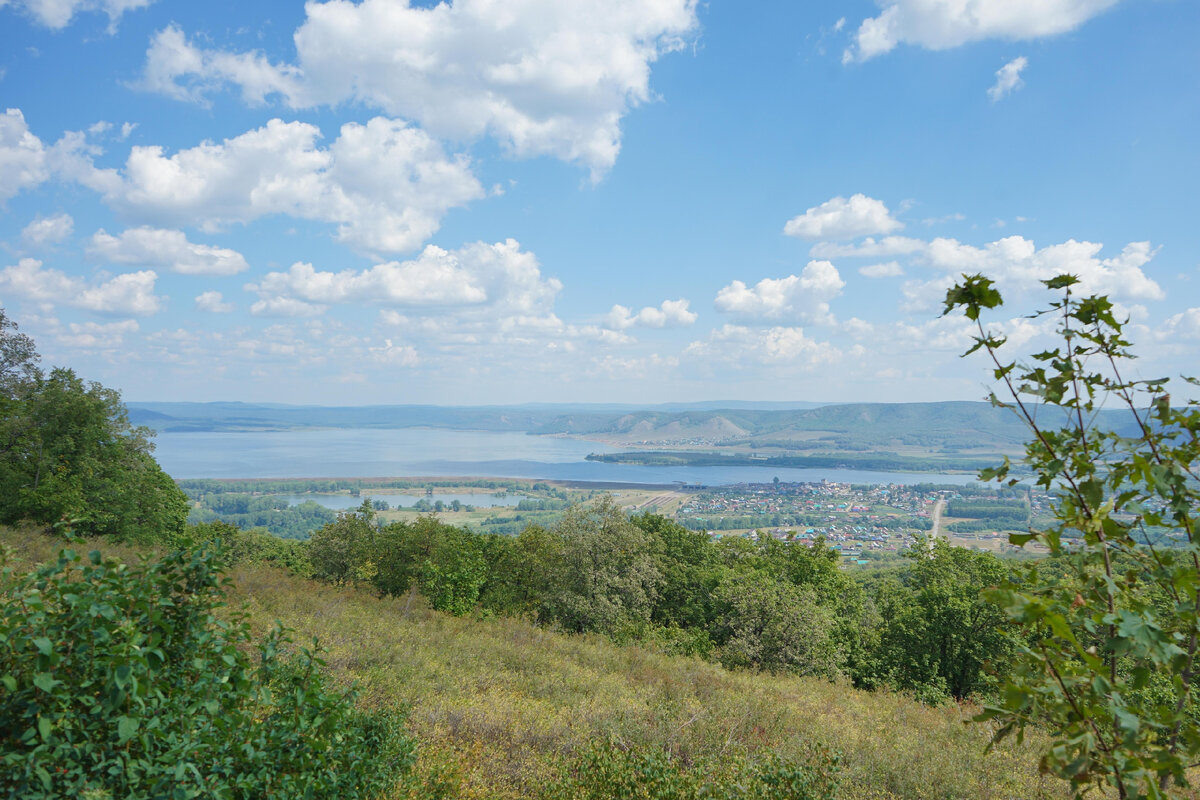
[499, 703]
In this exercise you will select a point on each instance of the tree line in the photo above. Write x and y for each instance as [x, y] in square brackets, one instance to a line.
[759, 604]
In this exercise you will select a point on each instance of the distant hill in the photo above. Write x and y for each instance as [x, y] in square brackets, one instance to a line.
[952, 426]
[232, 416]
[907, 428]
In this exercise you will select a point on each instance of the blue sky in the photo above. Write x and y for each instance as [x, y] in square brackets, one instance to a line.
[586, 200]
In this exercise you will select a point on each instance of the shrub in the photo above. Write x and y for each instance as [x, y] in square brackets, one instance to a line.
[1111, 623]
[608, 771]
[123, 682]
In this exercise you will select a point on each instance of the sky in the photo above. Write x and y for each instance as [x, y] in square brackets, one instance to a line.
[636, 201]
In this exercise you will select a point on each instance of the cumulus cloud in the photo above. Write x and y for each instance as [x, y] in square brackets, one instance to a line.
[950, 334]
[839, 218]
[1019, 267]
[167, 249]
[868, 248]
[1184, 325]
[670, 314]
[1016, 263]
[499, 277]
[385, 184]
[942, 24]
[888, 269]
[47, 230]
[738, 345]
[212, 302]
[22, 155]
[394, 355]
[172, 57]
[286, 307]
[57, 14]
[129, 293]
[97, 335]
[955, 333]
[803, 297]
[628, 368]
[1008, 79]
[543, 77]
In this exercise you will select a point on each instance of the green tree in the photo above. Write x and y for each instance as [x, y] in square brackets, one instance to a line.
[609, 582]
[69, 457]
[77, 461]
[524, 573]
[938, 634]
[342, 551]
[1112, 622]
[690, 568]
[775, 625]
[18, 359]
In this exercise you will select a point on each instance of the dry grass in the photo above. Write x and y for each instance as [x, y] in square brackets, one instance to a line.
[499, 704]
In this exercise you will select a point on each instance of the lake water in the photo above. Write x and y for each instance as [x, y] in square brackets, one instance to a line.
[412, 452]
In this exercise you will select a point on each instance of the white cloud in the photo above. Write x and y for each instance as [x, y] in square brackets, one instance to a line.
[213, 302]
[955, 217]
[543, 77]
[128, 293]
[670, 314]
[167, 249]
[57, 14]
[738, 345]
[47, 230]
[952, 333]
[386, 185]
[888, 269]
[1019, 267]
[286, 307]
[619, 368]
[868, 248]
[858, 328]
[171, 57]
[942, 24]
[394, 355]
[97, 335]
[1008, 78]
[924, 296]
[803, 297]
[22, 155]
[1184, 325]
[839, 218]
[1016, 264]
[498, 277]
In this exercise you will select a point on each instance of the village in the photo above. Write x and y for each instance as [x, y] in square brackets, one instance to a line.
[863, 522]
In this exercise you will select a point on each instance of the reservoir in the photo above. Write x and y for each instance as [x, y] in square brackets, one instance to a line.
[428, 452]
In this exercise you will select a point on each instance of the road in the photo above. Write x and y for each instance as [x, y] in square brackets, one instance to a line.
[937, 519]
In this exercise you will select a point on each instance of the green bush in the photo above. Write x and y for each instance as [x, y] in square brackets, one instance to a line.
[122, 682]
[254, 546]
[608, 771]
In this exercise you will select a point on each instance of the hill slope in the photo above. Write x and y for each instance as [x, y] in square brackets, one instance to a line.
[500, 705]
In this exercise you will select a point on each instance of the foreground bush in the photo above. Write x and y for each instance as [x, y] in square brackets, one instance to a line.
[121, 682]
[609, 772]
